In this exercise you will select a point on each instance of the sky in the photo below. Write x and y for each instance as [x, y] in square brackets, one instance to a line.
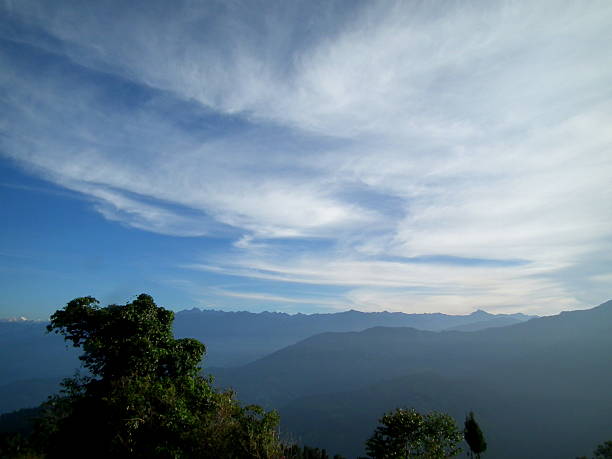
[311, 156]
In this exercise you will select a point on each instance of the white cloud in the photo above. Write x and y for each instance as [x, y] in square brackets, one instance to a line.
[446, 72]
[413, 286]
[277, 298]
[483, 127]
[603, 278]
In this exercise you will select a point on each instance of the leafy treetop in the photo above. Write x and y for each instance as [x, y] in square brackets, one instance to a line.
[131, 340]
[406, 433]
[144, 395]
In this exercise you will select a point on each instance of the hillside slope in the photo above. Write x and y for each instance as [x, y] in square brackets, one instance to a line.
[237, 338]
[529, 376]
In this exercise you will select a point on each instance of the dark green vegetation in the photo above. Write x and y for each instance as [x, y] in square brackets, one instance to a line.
[603, 451]
[307, 452]
[15, 430]
[473, 436]
[143, 395]
[405, 434]
[546, 382]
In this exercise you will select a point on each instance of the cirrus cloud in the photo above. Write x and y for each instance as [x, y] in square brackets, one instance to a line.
[433, 132]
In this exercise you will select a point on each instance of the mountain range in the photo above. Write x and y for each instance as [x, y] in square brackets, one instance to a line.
[541, 388]
[36, 361]
[237, 338]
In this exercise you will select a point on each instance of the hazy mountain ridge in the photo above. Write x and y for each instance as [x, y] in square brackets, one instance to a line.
[545, 380]
[236, 338]
[32, 353]
[36, 358]
[27, 393]
[488, 323]
[528, 376]
[379, 352]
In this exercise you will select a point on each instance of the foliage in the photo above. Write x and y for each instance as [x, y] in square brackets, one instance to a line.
[143, 395]
[406, 433]
[473, 436]
[16, 446]
[306, 452]
[603, 451]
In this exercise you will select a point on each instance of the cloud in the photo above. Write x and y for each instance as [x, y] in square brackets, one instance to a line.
[410, 286]
[131, 159]
[445, 72]
[386, 129]
[278, 299]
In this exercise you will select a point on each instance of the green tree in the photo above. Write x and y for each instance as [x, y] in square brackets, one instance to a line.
[603, 451]
[406, 433]
[473, 436]
[143, 394]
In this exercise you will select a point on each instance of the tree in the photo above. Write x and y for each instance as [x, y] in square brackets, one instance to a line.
[603, 451]
[406, 433]
[474, 436]
[295, 451]
[143, 395]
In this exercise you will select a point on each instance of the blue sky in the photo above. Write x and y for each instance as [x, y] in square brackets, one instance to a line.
[306, 156]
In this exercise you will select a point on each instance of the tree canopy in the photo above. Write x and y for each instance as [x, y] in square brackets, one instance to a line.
[406, 433]
[143, 394]
[473, 436]
[603, 451]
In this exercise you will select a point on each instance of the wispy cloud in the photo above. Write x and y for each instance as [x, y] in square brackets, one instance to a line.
[412, 286]
[401, 129]
[278, 299]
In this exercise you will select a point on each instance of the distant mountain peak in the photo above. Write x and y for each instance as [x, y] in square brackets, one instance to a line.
[481, 313]
[607, 304]
[16, 319]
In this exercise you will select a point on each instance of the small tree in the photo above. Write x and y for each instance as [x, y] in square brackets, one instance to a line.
[143, 395]
[406, 433]
[474, 436]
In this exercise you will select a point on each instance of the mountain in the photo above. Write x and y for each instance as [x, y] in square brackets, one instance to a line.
[540, 388]
[15, 319]
[27, 393]
[21, 422]
[546, 382]
[515, 425]
[237, 338]
[29, 352]
[36, 360]
[494, 322]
